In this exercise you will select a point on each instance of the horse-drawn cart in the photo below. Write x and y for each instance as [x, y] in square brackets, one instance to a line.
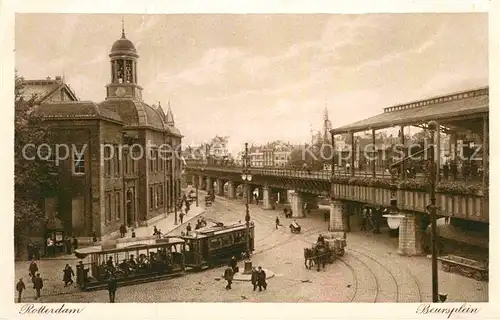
[464, 266]
[337, 242]
[295, 227]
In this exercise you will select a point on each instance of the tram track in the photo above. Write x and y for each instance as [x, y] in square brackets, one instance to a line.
[400, 294]
[356, 295]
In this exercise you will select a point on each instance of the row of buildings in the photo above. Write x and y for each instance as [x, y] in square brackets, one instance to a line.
[126, 183]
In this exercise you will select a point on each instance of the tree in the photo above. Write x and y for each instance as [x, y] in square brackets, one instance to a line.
[32, 178]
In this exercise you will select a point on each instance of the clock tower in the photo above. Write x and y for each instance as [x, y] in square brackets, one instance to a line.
[123, 58]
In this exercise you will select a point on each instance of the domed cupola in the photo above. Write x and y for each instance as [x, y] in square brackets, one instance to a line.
[123, 58]
[123, 46]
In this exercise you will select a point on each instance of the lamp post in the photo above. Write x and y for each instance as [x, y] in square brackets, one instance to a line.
[175, 201]
[247, 177]
[393, 218]
[433, 126]
[197, 193]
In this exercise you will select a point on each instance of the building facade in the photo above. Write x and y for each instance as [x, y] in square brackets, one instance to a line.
[122, 166]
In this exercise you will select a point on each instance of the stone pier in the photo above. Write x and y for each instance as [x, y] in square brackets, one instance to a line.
[297, 204]
[210, 184]
[267, 198]
[202, 183]
[336, 216]
[410, 235]
[231, 190]
[220, 187]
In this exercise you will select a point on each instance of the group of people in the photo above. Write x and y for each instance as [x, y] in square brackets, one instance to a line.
[124, 231]
[36, 280]
[258, 277]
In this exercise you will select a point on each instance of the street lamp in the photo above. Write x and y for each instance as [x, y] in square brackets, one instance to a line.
[247, 177]
[433, 126]
[393, 218]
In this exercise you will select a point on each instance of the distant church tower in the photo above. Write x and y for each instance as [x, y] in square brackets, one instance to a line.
[123, 58]
[327, 126]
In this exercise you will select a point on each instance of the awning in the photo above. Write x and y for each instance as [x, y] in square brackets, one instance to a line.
[441, 109]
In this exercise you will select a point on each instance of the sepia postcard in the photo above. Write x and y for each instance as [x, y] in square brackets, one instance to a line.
[294, 154]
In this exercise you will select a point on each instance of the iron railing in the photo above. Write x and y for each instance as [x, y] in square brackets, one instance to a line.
[318, 174]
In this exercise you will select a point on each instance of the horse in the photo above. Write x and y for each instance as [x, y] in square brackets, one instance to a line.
[308, 258]
[320, 256]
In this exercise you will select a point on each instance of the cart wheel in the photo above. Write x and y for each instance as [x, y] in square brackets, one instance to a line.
[341, 252]
[478, 275]
[446, 267]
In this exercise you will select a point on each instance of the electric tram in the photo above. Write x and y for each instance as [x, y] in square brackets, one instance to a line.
[138, 260]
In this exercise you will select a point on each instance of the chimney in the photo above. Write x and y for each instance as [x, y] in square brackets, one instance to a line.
[58, 78]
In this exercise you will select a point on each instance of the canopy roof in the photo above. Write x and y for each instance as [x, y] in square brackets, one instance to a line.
[442, 108]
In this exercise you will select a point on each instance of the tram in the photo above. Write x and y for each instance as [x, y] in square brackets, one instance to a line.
[215, 245]
[144, 259]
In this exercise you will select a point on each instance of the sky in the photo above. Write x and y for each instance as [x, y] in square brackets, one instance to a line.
[258, 78]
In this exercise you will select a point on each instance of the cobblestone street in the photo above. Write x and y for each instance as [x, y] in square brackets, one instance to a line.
[371, 271]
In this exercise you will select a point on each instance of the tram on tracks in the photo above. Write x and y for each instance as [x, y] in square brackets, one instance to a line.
[145, 259]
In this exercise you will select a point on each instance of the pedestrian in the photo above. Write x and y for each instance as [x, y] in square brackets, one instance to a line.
[30, 252]
[75, 243]
[20, 287]
[181, 216]
[33, 269]
[50, 251]
[364, 221]
[255, 278]
[188, 229]
[68, 275]
[36, 251]
[112, 286]
[94, 238]
[234, 264]
[261, 279]
[37, 285]
[133, 233]
[228, 275]
[155, 231]
[325, 216]
[446, 220]
[123, 231]
[277, 222]
[69, 248]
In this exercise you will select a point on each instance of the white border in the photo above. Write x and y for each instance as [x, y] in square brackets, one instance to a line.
[8, 310]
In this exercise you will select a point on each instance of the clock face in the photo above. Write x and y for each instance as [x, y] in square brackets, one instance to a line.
[120, 92]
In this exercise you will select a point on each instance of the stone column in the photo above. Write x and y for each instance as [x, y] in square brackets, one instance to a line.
[231, 190]
[336, 215]
[201, 183]
[220, 187]
[297, 204]
[210, 184]
[267, 198]
[410, 235]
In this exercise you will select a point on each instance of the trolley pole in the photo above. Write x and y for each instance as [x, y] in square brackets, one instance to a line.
[433, 126]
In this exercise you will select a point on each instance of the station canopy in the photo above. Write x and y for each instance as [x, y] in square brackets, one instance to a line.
[455, 112]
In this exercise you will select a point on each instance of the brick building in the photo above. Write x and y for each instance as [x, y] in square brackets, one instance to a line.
[120, 177]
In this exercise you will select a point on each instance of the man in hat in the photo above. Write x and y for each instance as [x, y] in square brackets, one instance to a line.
[228, 275]
[255, 278]
[261, 279]
[20, 287]
[234, 264]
